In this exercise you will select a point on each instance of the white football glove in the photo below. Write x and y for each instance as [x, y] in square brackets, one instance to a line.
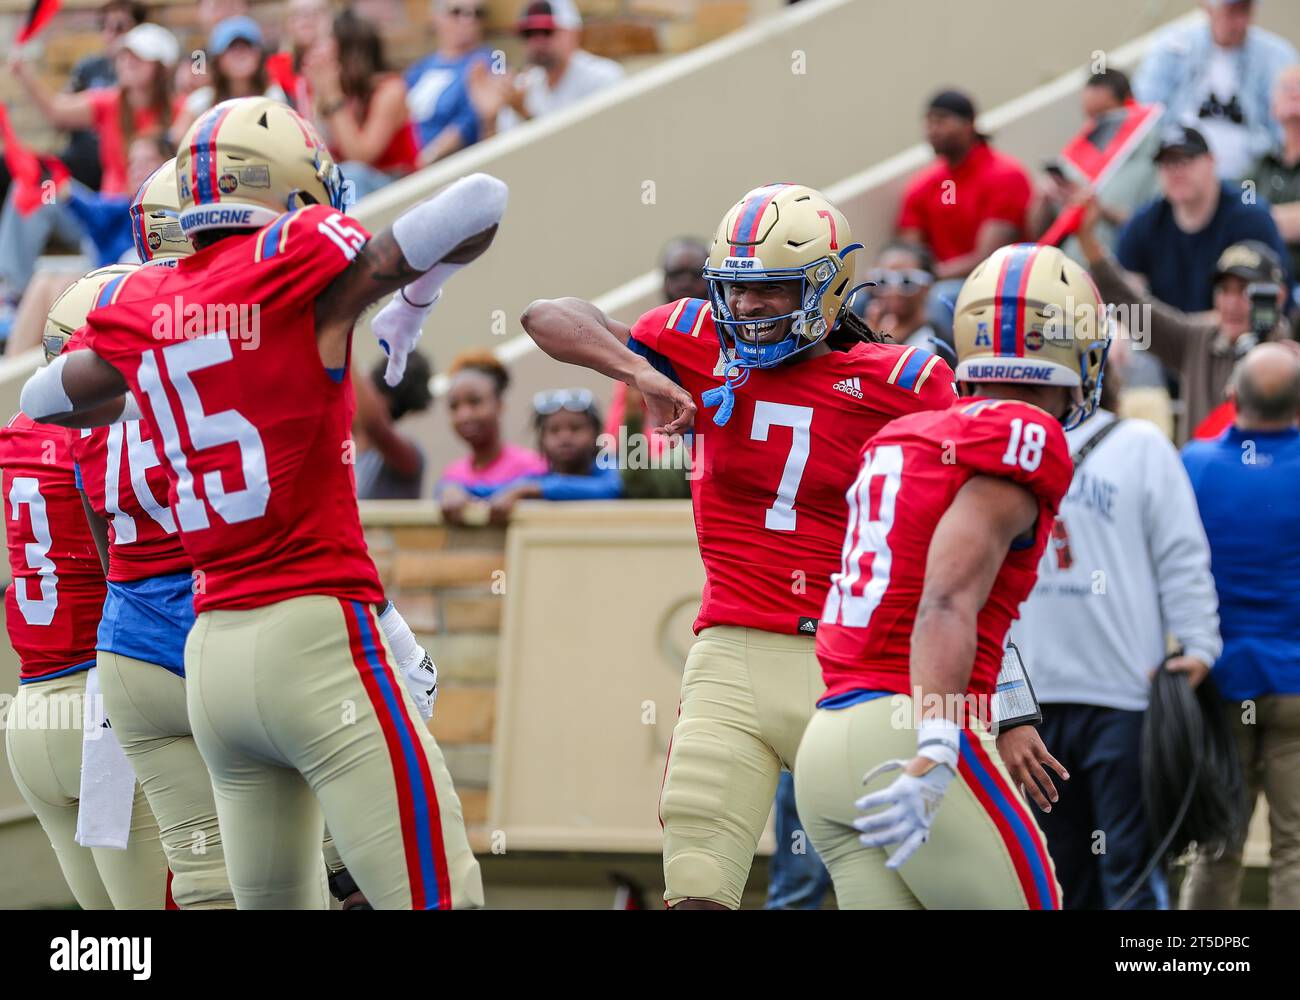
[911, 804]
[421, 679]
[397, 327]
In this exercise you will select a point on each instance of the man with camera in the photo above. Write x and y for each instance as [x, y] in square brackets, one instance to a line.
[1200, 348]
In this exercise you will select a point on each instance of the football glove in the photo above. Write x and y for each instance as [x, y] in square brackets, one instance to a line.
[421, 679]
[908, 807]
[397, 327]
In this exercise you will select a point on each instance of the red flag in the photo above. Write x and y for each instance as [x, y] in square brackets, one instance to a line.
[37, 18]
[30, 171]
[1216, 421]
[1096, 152]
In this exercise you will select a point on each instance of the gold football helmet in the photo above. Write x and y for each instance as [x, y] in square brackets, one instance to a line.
[68, 313]
[155, 217]
[782, 232]
[247, 161]
[1030, 314]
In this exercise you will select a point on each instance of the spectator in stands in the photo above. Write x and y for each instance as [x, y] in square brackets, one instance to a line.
[1246, 483]
[1128, 564]
[436, 91]
[1200, 348]
[362, 105]
[306, 24]
[568, 427]
[1276, 175]
[106, 218]
[1174, 241]
[971, 200]
[682, 267]
[1219, 75]
[237, 57]
[896, 304]
[191, 73]
[140, 103]
[389, 464]
[476, 401]
[117, 17]
[1106, 102]
[557, 73]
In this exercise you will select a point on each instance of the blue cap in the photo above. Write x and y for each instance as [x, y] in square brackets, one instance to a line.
[231, 30]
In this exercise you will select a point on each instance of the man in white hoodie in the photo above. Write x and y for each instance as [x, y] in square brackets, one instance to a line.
[1127, 566]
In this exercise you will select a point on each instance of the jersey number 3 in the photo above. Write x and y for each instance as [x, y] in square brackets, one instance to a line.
[781, 516]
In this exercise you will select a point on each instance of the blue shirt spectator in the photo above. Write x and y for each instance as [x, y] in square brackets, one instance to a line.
[106, 220]
[1176, 240]
[1246, 483]
[436, 93]
[1219, 74]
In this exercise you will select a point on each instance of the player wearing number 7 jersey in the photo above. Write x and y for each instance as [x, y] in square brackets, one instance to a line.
[295, 701]
[772, 466]
[948, 517]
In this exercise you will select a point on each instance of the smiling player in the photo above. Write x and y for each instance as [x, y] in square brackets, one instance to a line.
[799, 384]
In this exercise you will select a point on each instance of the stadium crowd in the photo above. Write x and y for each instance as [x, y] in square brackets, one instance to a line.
[1188, 220]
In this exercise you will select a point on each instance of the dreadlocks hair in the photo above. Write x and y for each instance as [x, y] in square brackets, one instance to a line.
[852, 330]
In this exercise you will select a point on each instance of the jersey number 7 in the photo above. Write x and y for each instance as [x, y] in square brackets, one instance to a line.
[781, 516]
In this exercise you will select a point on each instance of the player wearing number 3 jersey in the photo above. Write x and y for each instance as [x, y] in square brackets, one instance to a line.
[238, 360]
[947, 519]
[800, 385]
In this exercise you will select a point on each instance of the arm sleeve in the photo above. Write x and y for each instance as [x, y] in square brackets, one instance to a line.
[1152, 79]
[1012, 201]
[1180, 553]
[602, 484]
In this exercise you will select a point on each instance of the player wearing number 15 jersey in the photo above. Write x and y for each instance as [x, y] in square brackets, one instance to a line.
[238, 359]
[51, 611]
[800, 385]
[947, 519]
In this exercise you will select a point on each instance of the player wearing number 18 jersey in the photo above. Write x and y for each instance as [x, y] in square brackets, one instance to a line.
[799, 387]
[947, 519]
[238, 358]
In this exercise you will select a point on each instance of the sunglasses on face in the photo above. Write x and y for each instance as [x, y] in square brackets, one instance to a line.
[537, 33]
[908, 281]
[477, 13]
[573, 400]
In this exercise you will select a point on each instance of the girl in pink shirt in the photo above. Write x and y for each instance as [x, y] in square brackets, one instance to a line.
[476, 401]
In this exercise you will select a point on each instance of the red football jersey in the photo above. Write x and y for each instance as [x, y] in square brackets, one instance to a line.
[125, 481]
[52, 608]
[768, 487]
[909, 474]
[221, 354]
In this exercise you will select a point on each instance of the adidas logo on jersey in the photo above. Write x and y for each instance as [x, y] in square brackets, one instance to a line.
[850, 386]
[808, 626]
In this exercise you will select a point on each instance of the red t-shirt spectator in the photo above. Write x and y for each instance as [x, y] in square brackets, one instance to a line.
[105, 104]
[949, 204]
[279, 69]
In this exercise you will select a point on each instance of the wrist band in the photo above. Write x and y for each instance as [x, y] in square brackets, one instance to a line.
[416, 305]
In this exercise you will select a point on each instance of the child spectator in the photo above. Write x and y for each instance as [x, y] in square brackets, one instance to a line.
[361, 104]
[237, 53]
[568, 427]
[476, 401]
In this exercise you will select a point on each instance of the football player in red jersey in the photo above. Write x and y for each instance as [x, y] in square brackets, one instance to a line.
[948, 517]
[51, 612]
[149, 608]
[799, 384]
[293, 692]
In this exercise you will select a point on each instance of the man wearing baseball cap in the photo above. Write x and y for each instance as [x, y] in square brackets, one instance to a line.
[1201, 348]
[1174, 241]
[1219, 73]
[558, 72]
